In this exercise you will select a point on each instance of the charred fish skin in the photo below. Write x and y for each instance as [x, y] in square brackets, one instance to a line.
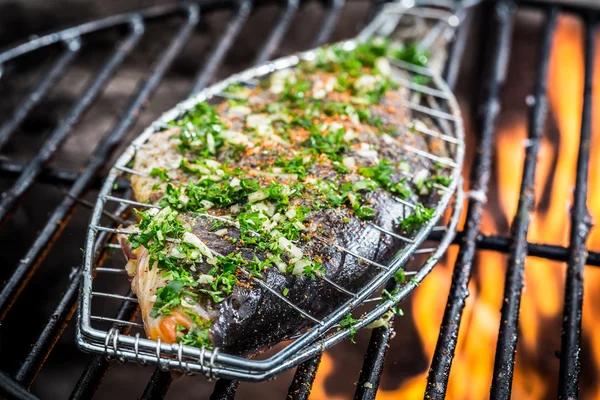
[254, 319]
[276, 180]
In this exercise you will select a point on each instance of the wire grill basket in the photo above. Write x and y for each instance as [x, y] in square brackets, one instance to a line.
[433, 100]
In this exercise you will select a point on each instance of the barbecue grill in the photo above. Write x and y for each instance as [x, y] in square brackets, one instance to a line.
[68, 44]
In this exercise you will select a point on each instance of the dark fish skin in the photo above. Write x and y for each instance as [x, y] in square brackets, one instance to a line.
[253, 319]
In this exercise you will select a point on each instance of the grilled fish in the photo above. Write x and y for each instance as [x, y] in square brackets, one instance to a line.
[265, 189]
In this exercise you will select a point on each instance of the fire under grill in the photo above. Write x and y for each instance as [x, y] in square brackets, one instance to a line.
[29, 174]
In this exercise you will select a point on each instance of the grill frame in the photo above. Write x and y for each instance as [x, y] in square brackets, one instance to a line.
[305, 373]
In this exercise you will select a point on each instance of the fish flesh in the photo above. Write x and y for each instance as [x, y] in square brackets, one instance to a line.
[265, 189]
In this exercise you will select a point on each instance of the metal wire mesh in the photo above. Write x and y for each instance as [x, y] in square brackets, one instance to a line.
[213, 363]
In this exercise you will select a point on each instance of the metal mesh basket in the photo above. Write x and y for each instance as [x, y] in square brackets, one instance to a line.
[434, 100]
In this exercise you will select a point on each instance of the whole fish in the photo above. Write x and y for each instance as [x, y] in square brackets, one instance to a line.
[266, 189]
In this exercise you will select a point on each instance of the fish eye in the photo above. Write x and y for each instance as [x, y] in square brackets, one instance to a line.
[235, 304]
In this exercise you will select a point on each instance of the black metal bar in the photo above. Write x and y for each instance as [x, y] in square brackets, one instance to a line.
[55, 176]
[506, 346]
[568, 387]
[90, 380]
[272, 43]
[57, 322]
[502, 244]
[215, 59]
[94, 372]
[225, 389]
[10, 389]
[548, 251]
[303, 379]
[54, 327]
[457, 50]
[39, 91]
[329, 22]
[437, 380]
[31, 261]
[374, 9]
[87, 97]
[157, 387]
[370, 374]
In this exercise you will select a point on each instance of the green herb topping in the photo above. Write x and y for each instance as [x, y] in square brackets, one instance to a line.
[262, 164]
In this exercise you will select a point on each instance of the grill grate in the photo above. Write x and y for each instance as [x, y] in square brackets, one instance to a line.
[469, 240]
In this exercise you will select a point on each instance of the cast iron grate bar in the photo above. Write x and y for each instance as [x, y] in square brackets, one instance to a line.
[502, 244]
[53, 175]
[12, 390]
[303, 379]
[272, 43]
[437, 380]
[39, 91]
[159, 384]
[216, 58]
[372, 368]
[329, 22]
[506, 346]
[27, 266]
[81, 104]
[581, 223]
[225, 389]
[52, 330]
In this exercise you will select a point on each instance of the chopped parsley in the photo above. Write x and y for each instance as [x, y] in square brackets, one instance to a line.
[349, 323]
[167, 297]
[314, 270]
[160, 173]
[196, 336]
[387, 295]
[200, 130]
[420, 216]
[399, 276]
[296, 165]
[364, 212]
[398, 311]
[382, 174]
[332, 144]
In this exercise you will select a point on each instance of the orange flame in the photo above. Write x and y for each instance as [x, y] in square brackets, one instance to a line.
[536, 367]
